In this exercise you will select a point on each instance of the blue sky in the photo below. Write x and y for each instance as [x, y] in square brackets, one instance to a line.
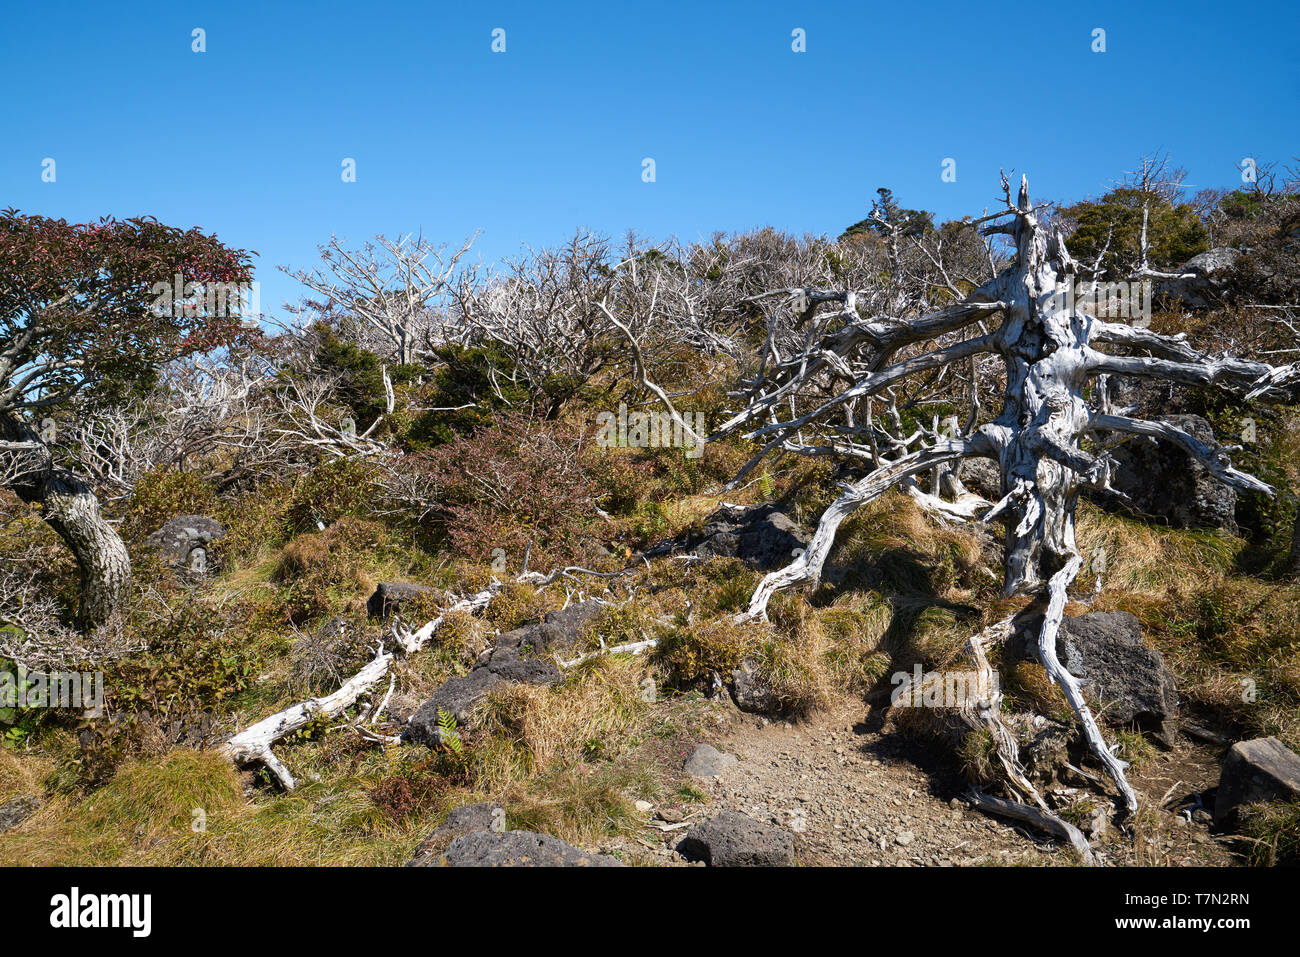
[247, 139]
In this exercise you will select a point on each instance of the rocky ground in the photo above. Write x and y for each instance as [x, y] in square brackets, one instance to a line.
[849, 796]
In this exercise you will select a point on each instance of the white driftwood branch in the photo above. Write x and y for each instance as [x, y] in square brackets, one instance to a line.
[1044, 820]
[1048, 352]
[808, 566]
[253, 744]
[412, 641]
[630, 648]
[1214, 463]
[965, 508]
[984, 713]
[1070, 685]
[1253, 379]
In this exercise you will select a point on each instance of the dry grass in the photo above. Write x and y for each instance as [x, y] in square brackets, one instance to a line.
[22, 773]
[568, 759]
[1273, 833]
[1233, 642]
[1136, 556]
[593, 715]
[817, 653]
[890, 543]
[147, 815]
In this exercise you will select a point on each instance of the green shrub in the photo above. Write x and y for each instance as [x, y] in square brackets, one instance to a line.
[328, 493]
[196, 658]
[1174, 233]
[319, 571]
[480, 378]
[162, 495]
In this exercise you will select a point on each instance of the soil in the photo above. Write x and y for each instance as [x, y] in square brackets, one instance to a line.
[855, 796]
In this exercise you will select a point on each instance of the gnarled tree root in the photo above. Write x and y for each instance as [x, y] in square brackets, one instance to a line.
[1069, 685]
[983, 713]
[1043, 820]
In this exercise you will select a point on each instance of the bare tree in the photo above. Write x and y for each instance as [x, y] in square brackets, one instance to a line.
[1050, 351]
[540, 313]
[391, 292]
[307, 420]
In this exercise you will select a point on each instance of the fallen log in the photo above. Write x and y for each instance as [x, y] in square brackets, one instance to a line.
[253, 744]
[1051, 823]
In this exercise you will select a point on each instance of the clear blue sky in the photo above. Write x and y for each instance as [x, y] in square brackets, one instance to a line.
[247, 139]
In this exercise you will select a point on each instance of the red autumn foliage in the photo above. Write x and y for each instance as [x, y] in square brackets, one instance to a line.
[75, 303]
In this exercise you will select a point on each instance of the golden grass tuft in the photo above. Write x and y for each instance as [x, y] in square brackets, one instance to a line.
[592, 715]
[517, 604]
[22, 773]
[1134, 556]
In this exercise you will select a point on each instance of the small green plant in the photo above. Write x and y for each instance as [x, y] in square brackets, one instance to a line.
[1133, 747]
[449, 734]
[689, 794]
[978, 753]
[17, 722]
[313, 730]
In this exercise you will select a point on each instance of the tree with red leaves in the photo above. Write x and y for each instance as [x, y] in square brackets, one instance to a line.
[87, 313]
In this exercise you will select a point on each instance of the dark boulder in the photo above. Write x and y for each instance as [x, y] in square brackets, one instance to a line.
[734, 840]
[558, 631]
[185, 542]
[511, 664]
[519, 849]
[527, 653]
[1262, 769]
[456, 697]
[469, 819]
[1161, 480]
[983, 477]
[762, 536]
[523, 655]
[1105, 651]
[751, 692]
[389, 597]
[16, 810]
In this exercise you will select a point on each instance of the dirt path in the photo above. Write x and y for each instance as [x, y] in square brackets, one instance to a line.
[854, 797]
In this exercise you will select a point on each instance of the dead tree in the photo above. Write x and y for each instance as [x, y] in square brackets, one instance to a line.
[389, 294]
[1051, 351]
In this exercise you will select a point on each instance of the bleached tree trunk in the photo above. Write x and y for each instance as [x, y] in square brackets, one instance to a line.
[69, 505]
[253, 744]
[1047, 348]
[71, 509]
